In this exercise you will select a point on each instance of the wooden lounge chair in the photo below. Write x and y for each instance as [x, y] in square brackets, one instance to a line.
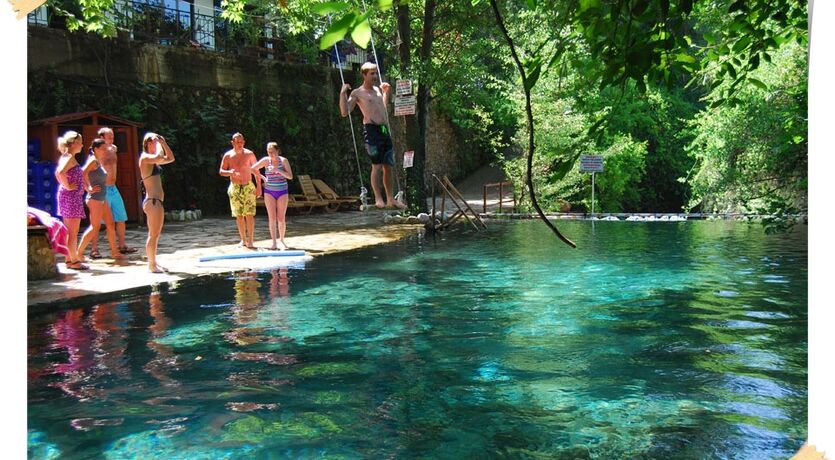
[327, 193]
[305, 200]
[310, 193]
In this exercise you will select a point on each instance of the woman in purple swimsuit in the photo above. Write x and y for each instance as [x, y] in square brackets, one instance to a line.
[71, 193]
[278, 172]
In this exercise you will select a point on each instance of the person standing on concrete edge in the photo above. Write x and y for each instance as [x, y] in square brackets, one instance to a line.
[110, 162]
[237, 166]
[155, 152]
[373, 101]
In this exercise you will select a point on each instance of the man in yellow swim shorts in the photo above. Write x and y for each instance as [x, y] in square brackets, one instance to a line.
[237, 166]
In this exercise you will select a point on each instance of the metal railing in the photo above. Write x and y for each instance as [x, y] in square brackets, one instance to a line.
[501, 186]
[199, 26]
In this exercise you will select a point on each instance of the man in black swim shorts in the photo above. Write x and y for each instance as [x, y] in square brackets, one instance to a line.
[372, 101]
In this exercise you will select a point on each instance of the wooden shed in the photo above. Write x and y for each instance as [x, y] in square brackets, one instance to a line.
[126, 138]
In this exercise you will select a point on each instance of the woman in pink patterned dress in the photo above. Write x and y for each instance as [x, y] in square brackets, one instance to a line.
[71, 193]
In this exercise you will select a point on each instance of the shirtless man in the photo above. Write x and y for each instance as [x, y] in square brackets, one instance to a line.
[372, 101]
[114, 199]
[237, 166]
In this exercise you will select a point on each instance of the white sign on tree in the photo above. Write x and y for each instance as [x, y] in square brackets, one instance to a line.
[403, 87]
[405, 105]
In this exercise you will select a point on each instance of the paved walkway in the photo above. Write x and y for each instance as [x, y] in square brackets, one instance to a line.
[183, 243]
[472, 189]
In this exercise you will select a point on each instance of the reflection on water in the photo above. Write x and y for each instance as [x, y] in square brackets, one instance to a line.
[651, 340]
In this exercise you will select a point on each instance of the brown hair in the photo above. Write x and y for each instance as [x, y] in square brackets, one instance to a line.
[97, 142]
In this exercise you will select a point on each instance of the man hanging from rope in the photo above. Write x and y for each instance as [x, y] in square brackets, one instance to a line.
[372, 101]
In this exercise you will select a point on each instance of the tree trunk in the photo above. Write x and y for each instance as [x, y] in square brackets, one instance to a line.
[417, 175]
[416, 128]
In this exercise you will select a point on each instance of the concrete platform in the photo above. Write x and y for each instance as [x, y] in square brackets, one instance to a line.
[183, 243]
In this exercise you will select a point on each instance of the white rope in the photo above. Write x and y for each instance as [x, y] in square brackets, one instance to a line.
[363, 190]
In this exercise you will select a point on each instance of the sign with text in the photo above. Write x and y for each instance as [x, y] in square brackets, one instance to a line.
[405, 105]
[591, 163]
[408, 159]
[403, 87]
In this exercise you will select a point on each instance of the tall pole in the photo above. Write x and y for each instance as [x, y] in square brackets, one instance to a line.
[592, 195]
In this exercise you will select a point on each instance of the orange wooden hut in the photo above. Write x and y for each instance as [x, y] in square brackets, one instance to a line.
[47, 130]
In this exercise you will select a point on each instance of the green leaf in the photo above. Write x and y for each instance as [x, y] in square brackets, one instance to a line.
[731, 69]
[741, 44]
[555, 58]
[586, 5]
[330, 7]
[533, 68]
[759, 84]
[361, 34]
[337, 30]
[683, 57]
[710, 38]
[531, 4]
[639, 7]
[561, 168]
[384, 4]
[754, 62]
[739, 5]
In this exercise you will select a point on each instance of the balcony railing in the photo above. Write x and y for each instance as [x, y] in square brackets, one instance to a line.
[198, 26]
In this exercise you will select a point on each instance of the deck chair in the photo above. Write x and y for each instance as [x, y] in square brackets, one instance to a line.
[327, 193]
[310, 193]
[299, 201]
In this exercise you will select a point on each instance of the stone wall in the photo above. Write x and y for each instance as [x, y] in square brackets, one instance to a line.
[442, 146]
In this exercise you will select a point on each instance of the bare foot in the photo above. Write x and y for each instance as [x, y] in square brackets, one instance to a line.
[395, 204]
[241, 244]
[284, 246]
[119, 256]
[379, 204]
[273, 248]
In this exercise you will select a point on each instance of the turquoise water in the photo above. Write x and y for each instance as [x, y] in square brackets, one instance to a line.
[651, 340]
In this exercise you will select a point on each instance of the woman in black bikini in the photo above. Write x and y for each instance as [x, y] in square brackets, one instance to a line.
[155, 152]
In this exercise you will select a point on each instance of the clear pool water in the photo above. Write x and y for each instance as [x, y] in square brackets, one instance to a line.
[652, 340]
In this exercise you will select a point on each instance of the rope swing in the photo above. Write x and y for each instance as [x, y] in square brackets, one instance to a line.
[363, 190]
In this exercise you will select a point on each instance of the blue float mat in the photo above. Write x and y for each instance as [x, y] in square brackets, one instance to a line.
[249, 255]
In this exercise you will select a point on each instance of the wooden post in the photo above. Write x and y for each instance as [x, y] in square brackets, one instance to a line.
[443, 200]
[484, 198]
[501, 195]
[433, 205]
